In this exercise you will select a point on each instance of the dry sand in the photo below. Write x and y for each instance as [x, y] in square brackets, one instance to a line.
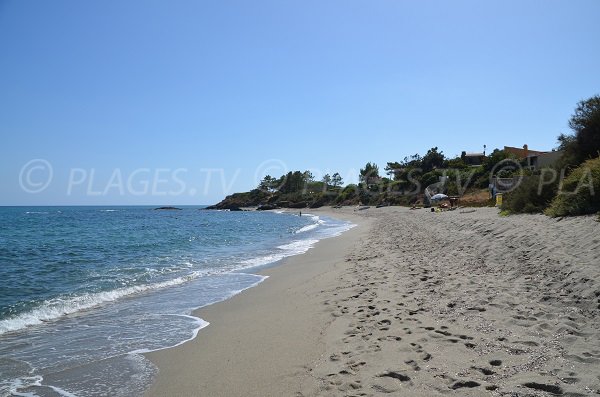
[410, 303]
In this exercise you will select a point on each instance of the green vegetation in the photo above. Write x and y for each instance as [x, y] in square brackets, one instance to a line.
[238, 200]
[293, 190]
[369, 174]
[572, 188]
[532, 195]
[404, 184]
[584, 143]
[580, 192]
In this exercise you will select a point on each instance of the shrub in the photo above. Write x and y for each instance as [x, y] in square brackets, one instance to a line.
[430, 177]
[349, 193]
[319, 200]
[367, 198]
[580, 193]
[532, 195]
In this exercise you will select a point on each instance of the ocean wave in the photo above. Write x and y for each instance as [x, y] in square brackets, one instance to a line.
[58, 307]
[307, 228]
[337, 231]
[15, 385]
[313, 226]
[261, 260]
[199, 322]
[294, 248]
[298, 246]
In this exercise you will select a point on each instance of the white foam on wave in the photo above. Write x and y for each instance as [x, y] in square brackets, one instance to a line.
[307, 228]
[298, 246]
[36, 212]
[200, 322]
[20, 383]
[294, 248]
[261, 260]
[33, 381]
[318, 222]
[337, 231]
[58, 307]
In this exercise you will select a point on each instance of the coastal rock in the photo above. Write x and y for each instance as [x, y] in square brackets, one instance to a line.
[237, 201]
[167, 209]
[266, 207]
[302, 204]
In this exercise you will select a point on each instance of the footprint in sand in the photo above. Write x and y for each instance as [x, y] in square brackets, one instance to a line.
[461, 384]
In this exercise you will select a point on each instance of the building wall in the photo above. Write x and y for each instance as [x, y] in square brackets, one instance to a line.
[522, 152]
[547, 159]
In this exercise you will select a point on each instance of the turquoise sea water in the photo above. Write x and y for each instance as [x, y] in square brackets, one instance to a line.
[85, 290]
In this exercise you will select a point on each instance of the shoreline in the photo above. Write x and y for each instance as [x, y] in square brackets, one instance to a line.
[235, 343]
[414, 303]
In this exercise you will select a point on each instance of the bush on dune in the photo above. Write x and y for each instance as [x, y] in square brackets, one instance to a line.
[532, 196]
[580, 193]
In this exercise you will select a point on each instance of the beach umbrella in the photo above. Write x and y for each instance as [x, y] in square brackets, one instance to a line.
[439, 196]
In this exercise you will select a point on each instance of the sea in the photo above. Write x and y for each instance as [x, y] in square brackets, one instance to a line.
[84, 291]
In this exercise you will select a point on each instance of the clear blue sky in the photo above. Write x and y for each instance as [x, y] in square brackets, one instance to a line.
[111, 87]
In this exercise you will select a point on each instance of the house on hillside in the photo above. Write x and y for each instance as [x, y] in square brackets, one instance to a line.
[539, 161]
[472, 159]
[522, 153]
[534, 159]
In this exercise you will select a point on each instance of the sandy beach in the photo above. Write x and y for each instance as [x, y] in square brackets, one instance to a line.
[409, 303]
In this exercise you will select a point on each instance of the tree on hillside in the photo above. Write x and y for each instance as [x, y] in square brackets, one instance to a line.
[268, 184]
[308, 176]
[326, 179]
[433, 159]
[285, 183]
[489, 162]
[584, 143]
[457, 162]
[369, 174]
[414, 161]
[336, 180]
[393, 169]
[292, 182]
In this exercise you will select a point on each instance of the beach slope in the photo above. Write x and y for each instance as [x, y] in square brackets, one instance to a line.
[264, 341]
[410, 303]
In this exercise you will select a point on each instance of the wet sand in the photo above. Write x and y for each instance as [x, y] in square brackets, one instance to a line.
[410, 303]
[263, 341]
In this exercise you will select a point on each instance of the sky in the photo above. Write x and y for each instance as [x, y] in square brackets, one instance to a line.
[183, 102]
